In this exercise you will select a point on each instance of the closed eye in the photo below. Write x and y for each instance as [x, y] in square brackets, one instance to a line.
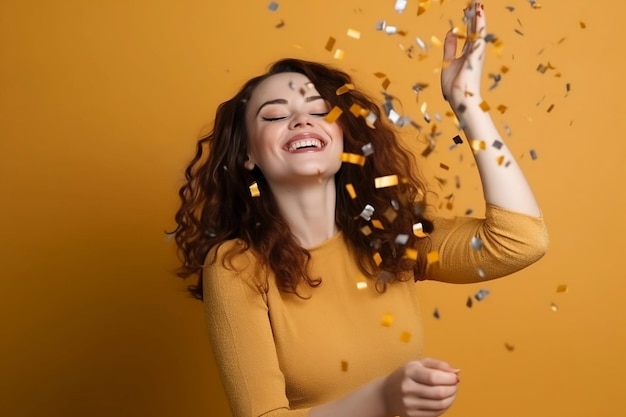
[320, 114]
[273, 119]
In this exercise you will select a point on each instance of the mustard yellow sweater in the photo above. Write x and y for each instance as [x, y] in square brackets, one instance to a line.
[280, 355]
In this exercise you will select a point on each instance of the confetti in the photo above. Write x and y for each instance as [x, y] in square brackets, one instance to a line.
[353, 33]
[254, 190]
[330, 43]
[405, 337]
[339, 54]
[353, 158]
[344, 89]
[469, 302]
[480, 272]
[351, 191]
[435, 40]
[457, 140]
[481, 294]
[497, 144]
[554, 307]
[432, 257]
[411, 253]
[378, 224]
[386, 181]
[377, 258]
[476, 243]
[280, 24]
[387, 320]
[366, 230]
[344, 366]
[561, 288]
[370, 119]
[390, 30]
[390, 214]
[502, 108]
[550, 108]
[402, 239]
[367, 149]
[436, 314]
[422, 7]
[333, 114]
[582, 25]
[478, 145]
[484, 106]
[444, 166]
[368, 212]
[533, 154]
[418, 230]
[273, 6]
[509, 347]
[500, 159]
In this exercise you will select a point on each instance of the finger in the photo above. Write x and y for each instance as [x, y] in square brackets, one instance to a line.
[423, 404]
[437, 392]
[449, 47]
[438, 364]
[429, 376]
[480, 22]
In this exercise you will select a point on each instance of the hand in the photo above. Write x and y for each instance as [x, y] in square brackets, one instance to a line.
[424, 388]
[460, 76]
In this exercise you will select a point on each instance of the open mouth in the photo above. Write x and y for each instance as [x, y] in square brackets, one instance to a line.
[302, 144]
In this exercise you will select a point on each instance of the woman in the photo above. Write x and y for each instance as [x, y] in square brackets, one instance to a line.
[307, 243]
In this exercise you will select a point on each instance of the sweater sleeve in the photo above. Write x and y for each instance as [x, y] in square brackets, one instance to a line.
[241, 337]
[506, 242]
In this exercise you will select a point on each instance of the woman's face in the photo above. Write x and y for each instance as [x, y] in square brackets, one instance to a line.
[288, 138]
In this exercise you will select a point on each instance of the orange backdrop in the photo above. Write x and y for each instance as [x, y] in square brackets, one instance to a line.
[100, 106]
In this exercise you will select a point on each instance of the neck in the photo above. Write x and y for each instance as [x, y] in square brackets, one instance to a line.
[309, 209]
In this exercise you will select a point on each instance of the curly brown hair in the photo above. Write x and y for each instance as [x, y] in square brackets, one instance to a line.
[217, 206]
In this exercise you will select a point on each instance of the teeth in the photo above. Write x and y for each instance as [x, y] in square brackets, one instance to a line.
[305, 143]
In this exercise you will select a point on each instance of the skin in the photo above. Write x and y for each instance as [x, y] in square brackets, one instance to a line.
[279, 116]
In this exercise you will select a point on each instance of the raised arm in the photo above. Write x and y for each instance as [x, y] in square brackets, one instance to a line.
[504, 184]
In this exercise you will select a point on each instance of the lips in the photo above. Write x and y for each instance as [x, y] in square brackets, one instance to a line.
[305, 142]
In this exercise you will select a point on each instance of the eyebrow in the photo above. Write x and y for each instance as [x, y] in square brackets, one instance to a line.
[283, 101]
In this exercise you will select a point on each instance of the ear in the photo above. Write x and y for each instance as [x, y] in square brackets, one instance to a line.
[249, 164]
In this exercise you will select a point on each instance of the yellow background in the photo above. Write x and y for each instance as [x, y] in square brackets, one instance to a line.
[100, 106]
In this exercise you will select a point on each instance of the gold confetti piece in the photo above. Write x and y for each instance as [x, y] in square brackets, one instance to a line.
[390, 214]
[469, 302]
[533, 154]
[432, 257]
[542, 68]
[380, 74]
[411, 253]
[339, 54]
[344, 366]
[333, 114]
[582, 25]
[435, 40]
[377, 224]
[386, 83]
[366, 230]
[478, 145]
[254, 190]
[354, 34]
[436, 314]
[444, 166]
[561, 288]
[509, 347]
[377, 258]
[330, 43]
[280, 24]
[353, 158]
[554, 307]
[500, 159]
[550, 108]
[422, 7]
[344, 89]
[356, 110]
[386, 181]
[484, 106]
[360, 282]
[504, 69]
[418, 230]
[502, 108]
[387, 320]
[405, 337]
[350, 190]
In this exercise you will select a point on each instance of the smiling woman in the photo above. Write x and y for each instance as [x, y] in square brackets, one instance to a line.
[306, 231]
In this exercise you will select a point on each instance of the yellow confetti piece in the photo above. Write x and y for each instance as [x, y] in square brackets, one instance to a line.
[554, 307]
[387, 320]
[504, 69]
[444, 166]
[509, 347]
[377, 258]
[405, 337]
[386, 83]
[354, 34]
[422, 7]
[366, 230]
[582, 25]
[353, 158]
[330, 43]
[386, 181]
[377, 224]
[344, 366]
[561, 288]
[411, 253]
[435, 40]
[333, 114]
[361, 285]
[350, 190]
[502, 108]
[478, 145]
[344, 89]
[418, 230]
[484, 106]
[380, 74]
[339, 54]
[432, 257]
[550, 108]
[500, 159]
[254, 190]
[356, 110]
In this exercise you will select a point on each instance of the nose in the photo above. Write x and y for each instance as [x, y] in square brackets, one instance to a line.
[300, 119]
